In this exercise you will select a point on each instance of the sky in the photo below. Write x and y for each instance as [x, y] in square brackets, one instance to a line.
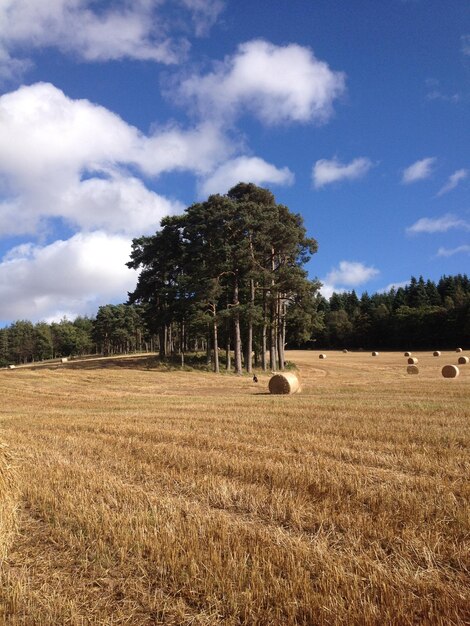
[114, 114]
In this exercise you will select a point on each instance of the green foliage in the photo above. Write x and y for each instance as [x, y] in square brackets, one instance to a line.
[420, 315]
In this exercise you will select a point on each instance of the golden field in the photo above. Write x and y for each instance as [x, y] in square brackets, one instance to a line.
[143, 496]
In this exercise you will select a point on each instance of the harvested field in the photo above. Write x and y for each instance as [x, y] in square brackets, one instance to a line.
[165, 497]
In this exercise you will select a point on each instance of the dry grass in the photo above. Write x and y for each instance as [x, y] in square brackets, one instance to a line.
[189, 498]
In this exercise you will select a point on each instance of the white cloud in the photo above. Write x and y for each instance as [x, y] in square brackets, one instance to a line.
[326, 172]
[245, 169]
[275, 83]
[137, 30]
[438, 224]
[394, 286]
[418, 171]
[465, 42]
[75, 276]
[351, 274]
[454, 180]
[69, 158]
[446, 252]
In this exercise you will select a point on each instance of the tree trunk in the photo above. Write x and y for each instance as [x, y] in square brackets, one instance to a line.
[215, 344]
[249, 340]
[236, 328]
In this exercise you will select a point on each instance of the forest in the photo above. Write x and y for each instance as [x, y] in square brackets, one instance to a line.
[226, 280]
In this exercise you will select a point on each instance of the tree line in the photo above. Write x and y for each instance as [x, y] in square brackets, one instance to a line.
[226, 280]
[422, 314]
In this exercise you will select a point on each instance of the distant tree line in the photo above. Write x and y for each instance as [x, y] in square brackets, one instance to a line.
[422, 314]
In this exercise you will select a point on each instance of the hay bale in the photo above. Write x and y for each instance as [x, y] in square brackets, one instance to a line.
[450, 371]
[458, 350]
[64, 359]
[463, 360]
[345, 351]
[322, 356]
[8, 502]
[436, 353]
[284, 383]
[11, 367]
[407, 354]
[412, 369]
[412, 360]
[375, 354]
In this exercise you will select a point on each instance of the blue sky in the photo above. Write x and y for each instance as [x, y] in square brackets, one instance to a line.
[114, 114]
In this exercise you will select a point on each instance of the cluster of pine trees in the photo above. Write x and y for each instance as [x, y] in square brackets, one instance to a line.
[227, 275]
[422, 314]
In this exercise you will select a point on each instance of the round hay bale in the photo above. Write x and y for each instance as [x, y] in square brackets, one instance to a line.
[412, 360]
[64, 359]
[407, 354]
[322, 356]
[450, 371]
[375, 354]
[459, 350]
[436, 353]
[463, 360]
[412, 369]
[284, 383]
[11, 367]
[345, 351]
[8, 502]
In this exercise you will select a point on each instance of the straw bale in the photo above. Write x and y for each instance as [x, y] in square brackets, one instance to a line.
[463, 360]
[8, 502]
[375, 354]
[284, 383]
[11, 367]
[412, 369]
[64, 359]
[450, 371]
[459, 350]
[407, 354]
[322, 356]
[345, 351]
[412, 360]
[436, 353]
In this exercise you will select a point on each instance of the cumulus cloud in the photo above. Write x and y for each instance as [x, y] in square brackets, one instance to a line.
[275, 83]
[249, 169]
[76, 276]
[418, 171]
[442, 224]
[351, 274]
[70, 159]
[137, 30]
[446, 252]
[454, 180]
[327, 172]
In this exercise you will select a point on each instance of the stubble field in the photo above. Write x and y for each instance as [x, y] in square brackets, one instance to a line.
[147, 497]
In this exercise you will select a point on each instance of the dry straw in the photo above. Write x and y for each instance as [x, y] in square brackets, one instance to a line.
[450, 371]
[436, 353]
[459, 350]
[284, 383]
[407, 354]
[463, 360]
[8, 502]
[322, 356]
[345, 351]
[64, 359]
[11, 367]
[375, 354]
[412, 360]
[412, 369]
